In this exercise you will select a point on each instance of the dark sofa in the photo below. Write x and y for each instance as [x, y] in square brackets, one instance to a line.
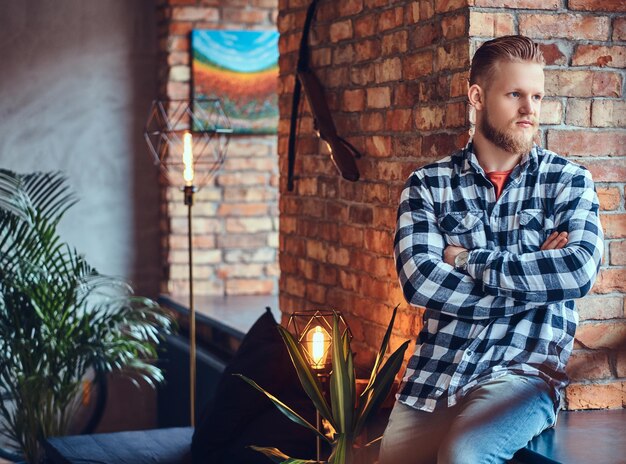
[233, 415]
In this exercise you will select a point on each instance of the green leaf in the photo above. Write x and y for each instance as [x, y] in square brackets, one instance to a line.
[12, 199]
[279, 457]
[381, 386]
[341, 391]
[308, 379]
[342, 452]
[282, 407]
[374, 441]
[350, 368]
[383, 349]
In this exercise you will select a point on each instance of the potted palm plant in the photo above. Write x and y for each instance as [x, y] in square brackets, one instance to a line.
[348, 411]
[59, 317]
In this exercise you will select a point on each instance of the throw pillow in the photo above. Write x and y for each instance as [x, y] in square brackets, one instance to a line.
[241, 416]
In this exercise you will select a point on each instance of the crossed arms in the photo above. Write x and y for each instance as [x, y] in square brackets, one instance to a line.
[498, 283]
[555, 241]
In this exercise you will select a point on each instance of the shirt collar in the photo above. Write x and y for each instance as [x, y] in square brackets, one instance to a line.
[527, 163]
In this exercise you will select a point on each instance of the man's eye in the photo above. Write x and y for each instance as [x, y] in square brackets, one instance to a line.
[538, 97]
[514, 94]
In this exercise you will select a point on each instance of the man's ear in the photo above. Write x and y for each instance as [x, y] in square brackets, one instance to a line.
[476, 96]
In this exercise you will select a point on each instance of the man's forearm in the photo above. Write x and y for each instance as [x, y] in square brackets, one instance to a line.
[541, 277]
[428, 281]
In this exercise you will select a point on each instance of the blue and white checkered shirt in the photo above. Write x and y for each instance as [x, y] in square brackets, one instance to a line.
[513, 312]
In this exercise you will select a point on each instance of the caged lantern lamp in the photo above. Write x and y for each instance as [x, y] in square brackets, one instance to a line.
[313, 333]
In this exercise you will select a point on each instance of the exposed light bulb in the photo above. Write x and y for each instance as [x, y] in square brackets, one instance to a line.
[188, 159]
[317, 349]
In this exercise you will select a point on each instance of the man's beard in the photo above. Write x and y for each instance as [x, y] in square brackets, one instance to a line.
[505, 139]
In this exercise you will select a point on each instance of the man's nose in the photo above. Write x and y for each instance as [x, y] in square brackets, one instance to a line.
[527, 105]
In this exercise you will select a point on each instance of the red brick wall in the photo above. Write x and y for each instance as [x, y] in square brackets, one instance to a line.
[395, 76]
[234, 218]
[584, 120]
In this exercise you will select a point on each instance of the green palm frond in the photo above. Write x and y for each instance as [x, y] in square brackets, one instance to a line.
[59, 317]
[12, 199]
[342, 381]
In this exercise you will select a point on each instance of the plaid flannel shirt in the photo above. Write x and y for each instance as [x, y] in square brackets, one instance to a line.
[513, 309]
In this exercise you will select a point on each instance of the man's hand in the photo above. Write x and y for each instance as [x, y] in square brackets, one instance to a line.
[450, 252]
[555, 241]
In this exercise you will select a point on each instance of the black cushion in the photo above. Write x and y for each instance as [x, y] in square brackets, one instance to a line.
[241, 416]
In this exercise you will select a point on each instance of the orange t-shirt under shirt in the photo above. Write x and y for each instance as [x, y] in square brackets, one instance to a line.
[498, 178]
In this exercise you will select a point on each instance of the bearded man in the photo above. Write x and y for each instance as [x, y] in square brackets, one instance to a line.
[496, 242]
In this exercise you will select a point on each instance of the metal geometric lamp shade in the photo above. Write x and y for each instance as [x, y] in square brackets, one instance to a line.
[314, 331]
[187, 141]
[168, 122]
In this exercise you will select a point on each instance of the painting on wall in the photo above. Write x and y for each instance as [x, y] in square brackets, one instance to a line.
[241, 69]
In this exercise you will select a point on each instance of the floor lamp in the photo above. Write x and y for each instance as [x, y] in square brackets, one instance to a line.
[188, 140]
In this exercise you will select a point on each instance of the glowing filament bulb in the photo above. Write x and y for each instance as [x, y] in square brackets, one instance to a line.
[318, 348]
[187, 159]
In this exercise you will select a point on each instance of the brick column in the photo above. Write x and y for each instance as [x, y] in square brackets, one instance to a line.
[235, 218]
[395, 74]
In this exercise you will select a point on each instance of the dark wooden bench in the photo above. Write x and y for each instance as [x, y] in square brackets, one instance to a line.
[580, 437]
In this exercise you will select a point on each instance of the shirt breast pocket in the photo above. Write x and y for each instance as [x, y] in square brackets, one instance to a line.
[464, 229]
[534, 228]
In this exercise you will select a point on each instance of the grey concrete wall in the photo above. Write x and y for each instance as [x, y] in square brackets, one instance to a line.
[76, 80]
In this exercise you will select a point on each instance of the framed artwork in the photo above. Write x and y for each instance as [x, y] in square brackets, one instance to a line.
[241, 69]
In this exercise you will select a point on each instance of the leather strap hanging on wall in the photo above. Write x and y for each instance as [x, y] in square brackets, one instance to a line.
[342, 153]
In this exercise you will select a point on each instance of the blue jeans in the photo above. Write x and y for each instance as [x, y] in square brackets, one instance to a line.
[487, 426]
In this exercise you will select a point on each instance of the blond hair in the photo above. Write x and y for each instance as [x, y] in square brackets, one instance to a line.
[509, 48]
